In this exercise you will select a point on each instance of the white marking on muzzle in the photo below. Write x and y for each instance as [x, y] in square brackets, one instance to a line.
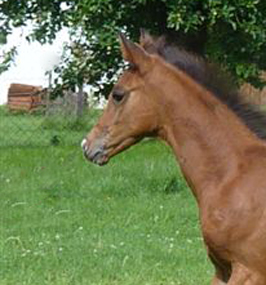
[83, 144]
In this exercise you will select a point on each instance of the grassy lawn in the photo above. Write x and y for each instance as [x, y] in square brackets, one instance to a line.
[65, 221]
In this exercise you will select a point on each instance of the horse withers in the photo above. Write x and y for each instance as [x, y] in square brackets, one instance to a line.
[218, 141]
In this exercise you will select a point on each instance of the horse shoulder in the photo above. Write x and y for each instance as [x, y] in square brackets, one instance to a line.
[235, 213]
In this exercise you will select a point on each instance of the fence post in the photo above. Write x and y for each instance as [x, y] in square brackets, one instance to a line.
[80, 101]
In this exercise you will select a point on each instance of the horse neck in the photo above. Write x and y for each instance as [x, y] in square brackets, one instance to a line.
[207, 138]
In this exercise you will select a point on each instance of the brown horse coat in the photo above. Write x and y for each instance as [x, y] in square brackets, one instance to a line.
[217, 139]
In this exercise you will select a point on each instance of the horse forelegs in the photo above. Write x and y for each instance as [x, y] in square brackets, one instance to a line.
[241, 275]
[217, 281]
[222, 269]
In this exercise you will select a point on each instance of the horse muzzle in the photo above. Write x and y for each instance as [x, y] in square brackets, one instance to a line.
[94, 152]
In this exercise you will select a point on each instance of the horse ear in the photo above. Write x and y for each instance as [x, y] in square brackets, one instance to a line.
[145, 38]
[133, 53]
[150, 43]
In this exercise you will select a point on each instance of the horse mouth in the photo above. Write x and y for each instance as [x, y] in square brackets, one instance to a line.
[119, 147]
[102, 155]
[96, 155]
[100, 159]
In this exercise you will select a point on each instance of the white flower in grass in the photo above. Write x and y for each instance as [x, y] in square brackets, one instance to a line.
[25, 252]
[189, 240]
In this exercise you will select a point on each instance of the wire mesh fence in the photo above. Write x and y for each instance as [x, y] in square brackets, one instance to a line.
[55, 123]
[37, 121]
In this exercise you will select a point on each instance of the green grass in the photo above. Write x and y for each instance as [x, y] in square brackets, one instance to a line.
[65, 221]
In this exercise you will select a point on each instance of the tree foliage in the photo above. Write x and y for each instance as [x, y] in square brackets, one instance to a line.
[229, 32]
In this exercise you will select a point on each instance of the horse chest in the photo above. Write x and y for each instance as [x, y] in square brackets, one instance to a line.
[215, 227]
[223, 225]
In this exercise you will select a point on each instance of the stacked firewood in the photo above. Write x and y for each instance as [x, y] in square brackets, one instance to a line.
[22, 97]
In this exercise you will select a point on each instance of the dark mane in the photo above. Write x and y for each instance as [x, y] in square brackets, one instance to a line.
[212, 78]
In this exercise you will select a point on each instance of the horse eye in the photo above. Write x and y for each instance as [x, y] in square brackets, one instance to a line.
[118, 96]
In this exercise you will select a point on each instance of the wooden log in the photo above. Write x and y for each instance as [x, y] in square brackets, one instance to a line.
[21, 88]
[24, 94]
[19, 107]
[36, 99]
[24, 99]
[25, 103]
[20, 99]
[20, 103]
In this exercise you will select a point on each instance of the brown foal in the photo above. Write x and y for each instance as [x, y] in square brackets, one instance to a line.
[217, 139]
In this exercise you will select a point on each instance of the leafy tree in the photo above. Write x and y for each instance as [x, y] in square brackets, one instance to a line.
[72, 70]
[230, 32]
[6, 59]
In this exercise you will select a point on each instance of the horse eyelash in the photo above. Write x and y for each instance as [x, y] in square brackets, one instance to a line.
[118, 96]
